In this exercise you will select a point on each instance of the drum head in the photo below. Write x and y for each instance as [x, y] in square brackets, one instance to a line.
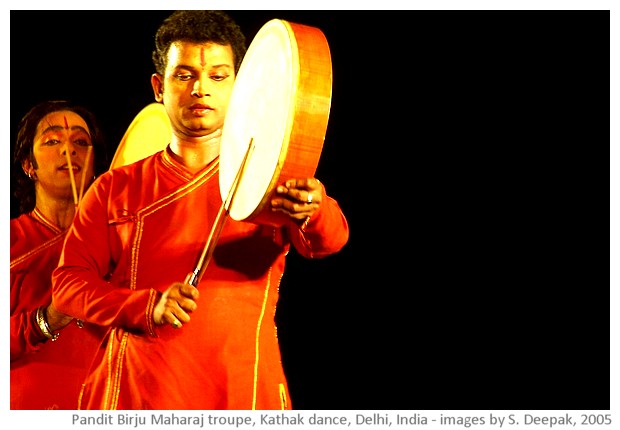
[279, 104]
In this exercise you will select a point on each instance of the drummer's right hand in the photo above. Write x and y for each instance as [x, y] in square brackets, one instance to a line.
[175, 305]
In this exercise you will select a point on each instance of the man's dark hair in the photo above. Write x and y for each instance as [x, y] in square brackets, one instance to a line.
[198, 26]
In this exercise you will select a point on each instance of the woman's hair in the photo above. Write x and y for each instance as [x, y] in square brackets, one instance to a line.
[198, 26]
[26, 132]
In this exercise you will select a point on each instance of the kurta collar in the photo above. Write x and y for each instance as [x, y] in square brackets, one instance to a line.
[38, 216]
[171, 163]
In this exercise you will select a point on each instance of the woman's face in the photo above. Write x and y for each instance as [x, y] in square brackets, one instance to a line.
[62, 148]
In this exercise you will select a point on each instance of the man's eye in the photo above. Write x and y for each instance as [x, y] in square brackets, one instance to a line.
[183, 77]
[219, 77]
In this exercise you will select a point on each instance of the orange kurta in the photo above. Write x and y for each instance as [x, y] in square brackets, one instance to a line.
[44, 374]
[143, 227]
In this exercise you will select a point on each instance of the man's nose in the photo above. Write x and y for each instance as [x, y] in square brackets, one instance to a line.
[200, 87]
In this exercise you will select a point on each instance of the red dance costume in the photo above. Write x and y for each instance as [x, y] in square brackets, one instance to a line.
[143, 227]
[44, 374]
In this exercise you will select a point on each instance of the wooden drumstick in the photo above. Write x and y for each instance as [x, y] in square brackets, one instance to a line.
[86, 161]
[73, 187]
[194, 277]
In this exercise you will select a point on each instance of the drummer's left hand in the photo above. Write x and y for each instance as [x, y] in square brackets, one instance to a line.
[298, 198]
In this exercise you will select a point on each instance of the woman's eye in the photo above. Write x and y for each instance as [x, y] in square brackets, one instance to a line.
[82, 142]
[51, 142]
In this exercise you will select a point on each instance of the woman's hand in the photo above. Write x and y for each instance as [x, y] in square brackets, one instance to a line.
[56, 320]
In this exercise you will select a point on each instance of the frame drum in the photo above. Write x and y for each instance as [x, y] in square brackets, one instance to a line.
[280, 105]
[149, 132]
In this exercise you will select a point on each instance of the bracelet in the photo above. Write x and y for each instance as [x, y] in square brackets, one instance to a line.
[43, 325]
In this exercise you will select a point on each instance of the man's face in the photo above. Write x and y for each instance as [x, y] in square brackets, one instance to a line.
[198, 82]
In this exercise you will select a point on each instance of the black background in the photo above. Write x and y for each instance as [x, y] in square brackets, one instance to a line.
[469, 151]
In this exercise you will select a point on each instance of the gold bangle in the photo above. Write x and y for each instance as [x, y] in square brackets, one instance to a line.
[43, 325]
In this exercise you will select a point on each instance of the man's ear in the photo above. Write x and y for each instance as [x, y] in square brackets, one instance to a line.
[157, 83]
